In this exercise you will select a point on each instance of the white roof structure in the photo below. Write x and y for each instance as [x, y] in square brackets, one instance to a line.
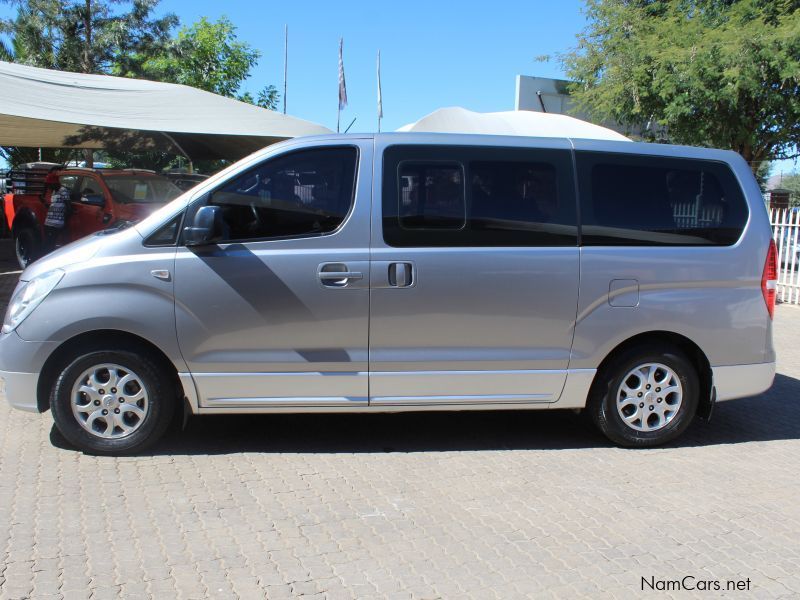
[518, 122]
[41, 107]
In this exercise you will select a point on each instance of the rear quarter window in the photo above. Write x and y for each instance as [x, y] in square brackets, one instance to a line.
[657, 201]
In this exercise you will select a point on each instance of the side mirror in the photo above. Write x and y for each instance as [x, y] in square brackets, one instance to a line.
[203, 227]
[93, 200]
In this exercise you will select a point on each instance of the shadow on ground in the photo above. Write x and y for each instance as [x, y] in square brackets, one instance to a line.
[771, 416]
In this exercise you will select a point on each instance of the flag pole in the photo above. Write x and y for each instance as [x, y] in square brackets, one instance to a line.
[285, 62]
[380, 95]
[342, 86]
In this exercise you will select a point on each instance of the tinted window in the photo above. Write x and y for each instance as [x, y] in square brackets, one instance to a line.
[475, 196]
[167, 235]
[431, 196]
[300, 194]
[658, 201]
[517, 204]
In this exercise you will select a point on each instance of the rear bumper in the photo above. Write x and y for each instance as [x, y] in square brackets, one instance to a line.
[741, 381]
[20, 389]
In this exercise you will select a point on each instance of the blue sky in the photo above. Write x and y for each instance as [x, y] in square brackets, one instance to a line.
[433, 53]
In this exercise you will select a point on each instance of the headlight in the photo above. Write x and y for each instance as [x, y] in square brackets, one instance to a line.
[28, 296]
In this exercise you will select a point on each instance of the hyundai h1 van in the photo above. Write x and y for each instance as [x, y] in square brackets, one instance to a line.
[399, 272]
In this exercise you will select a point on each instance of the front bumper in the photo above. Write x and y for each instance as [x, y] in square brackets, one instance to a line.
[20, 389]
[742, 381]
[20, 365]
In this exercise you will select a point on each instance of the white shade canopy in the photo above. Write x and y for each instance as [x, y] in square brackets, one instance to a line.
[521, 122]
[41, 108]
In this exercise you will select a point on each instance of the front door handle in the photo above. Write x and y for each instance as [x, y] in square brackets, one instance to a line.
[337, 274]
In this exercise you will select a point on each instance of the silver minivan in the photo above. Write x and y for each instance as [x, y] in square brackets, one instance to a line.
[399, 272]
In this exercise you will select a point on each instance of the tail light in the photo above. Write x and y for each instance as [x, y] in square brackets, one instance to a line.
[769, 279]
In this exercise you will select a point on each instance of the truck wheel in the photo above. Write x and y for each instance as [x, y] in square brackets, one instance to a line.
[27, 246]
[646, 396]
[112, 402]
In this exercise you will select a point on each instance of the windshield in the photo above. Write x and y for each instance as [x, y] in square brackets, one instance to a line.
[150, 190]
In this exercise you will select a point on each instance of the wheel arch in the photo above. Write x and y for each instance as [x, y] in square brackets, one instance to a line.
[25, 217]
[101, 339]
[695, 354]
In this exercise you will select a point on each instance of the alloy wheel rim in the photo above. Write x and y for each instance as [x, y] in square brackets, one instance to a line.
[109, 401]
[649, 397]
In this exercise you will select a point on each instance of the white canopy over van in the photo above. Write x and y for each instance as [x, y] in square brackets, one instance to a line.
[41, 108]
[516, 122]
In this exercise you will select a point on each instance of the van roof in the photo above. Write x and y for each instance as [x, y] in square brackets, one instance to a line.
[590, 145]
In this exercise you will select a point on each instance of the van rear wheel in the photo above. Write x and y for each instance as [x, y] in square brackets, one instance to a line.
[112, 402]
[27, 246]
[646, 396]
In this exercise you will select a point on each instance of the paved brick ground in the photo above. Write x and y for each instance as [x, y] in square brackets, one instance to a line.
[502, 505]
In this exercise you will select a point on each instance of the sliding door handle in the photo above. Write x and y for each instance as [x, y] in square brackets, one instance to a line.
[401, 274]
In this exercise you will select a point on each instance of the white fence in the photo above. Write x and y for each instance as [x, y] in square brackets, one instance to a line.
[690, 215]
[786, 233]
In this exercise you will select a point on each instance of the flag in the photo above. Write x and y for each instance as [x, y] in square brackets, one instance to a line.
[342, 85]
[380, 96]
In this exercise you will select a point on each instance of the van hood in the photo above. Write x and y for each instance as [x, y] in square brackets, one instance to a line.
[77, 252]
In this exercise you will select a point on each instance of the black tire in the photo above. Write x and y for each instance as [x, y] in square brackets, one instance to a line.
[158, 387]
[604, 397]
[27, 246]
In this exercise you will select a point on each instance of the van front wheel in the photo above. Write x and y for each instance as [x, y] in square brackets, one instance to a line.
[645, 397]
[112, 402]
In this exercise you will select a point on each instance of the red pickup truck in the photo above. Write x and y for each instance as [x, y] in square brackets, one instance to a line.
[100, 198]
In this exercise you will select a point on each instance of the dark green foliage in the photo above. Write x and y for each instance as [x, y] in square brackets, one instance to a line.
[721, 73]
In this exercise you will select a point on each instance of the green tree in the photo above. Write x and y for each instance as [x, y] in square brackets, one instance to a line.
[86, 36]
[721, 73]
[207, 55]
[792, 183]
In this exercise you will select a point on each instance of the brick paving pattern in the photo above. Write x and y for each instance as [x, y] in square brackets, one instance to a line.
[497, 505]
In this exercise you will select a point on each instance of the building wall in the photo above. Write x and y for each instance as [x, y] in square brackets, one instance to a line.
[533, 92]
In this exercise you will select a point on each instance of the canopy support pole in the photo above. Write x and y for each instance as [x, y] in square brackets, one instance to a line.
[182, 151]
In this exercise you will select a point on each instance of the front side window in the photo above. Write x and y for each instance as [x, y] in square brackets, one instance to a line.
[657, 201]
[304, 193]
